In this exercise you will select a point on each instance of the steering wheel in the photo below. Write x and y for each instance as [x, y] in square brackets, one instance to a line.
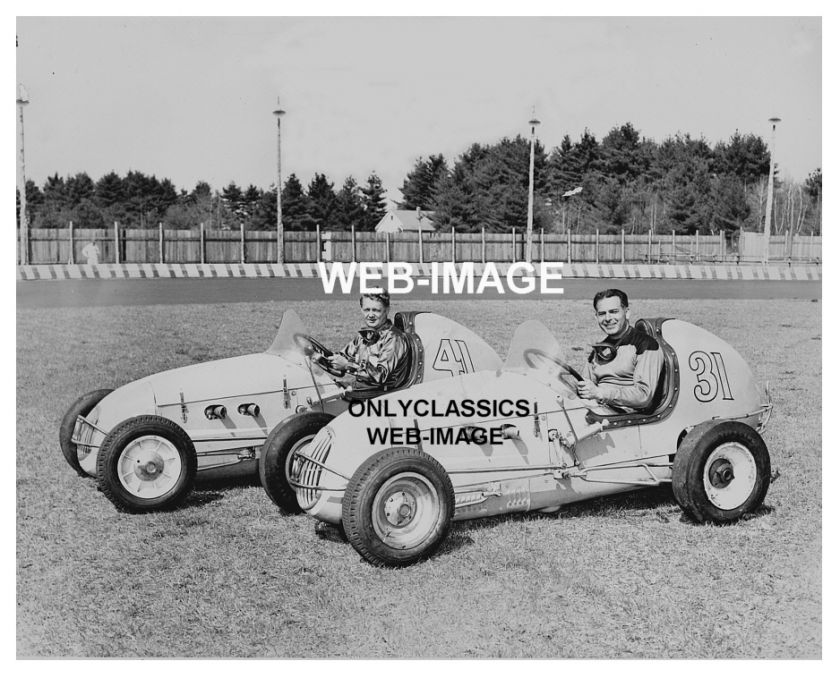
[533, 356]
[317, 353]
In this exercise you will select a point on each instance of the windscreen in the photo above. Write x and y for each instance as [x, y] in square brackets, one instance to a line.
[292, 342]
[534, 351]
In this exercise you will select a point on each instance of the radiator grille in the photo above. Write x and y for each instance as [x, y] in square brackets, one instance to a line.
[309, 470]
[82, 435]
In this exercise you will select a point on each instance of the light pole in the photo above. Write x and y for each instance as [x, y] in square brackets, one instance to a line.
[529, 234]
[768, 215]
[22, 100]
[279, 113]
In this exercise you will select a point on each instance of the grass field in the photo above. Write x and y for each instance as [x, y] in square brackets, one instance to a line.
[228, 576]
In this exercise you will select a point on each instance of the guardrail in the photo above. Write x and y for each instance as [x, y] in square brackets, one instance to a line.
[742, 272]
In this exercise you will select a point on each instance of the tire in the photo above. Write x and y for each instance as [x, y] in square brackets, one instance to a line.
[146, 463]
[276, 455]
[398, 507]
[82, 407]
[721, 472]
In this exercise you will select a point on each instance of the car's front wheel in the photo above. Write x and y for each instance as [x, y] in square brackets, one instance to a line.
[277, 458]
[146, 463]
[721, 471]
[81, 408]
[397, 507]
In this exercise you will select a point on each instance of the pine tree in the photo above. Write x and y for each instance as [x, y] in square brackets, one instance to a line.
[418, 186]
[454, 204]
[615, 205]
[568, 164]
[201, 191]
[233, 202]
[322, 202]
[349, 210]
[108, 190]
[730, 209]
[34, 196]
[55, 192]
[745, 156]
[264, 216]
[165, 196]
[373, 201]
[297, 214]
[78, 188]
[619, 155]
[250, 201]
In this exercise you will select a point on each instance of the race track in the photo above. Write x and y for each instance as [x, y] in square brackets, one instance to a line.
[145, 292]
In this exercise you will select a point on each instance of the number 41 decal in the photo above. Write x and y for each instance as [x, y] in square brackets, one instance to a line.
[453, 357]
[711, 376]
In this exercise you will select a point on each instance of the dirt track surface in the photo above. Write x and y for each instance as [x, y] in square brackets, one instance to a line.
[79, 293]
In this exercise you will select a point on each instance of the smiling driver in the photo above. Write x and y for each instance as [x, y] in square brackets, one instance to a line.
[377, 356]
[623, 369]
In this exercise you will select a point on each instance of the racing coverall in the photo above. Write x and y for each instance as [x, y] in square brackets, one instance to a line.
[626, 369]
[376, 354]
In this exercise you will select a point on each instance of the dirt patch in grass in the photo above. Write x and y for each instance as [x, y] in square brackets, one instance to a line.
[228, 576]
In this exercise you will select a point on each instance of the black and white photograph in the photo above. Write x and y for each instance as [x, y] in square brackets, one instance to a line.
[419, 337]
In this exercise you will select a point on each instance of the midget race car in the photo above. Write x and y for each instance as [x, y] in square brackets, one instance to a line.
[396, 471]
[147, 441]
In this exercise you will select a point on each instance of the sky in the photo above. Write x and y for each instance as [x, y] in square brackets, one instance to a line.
[192, 98]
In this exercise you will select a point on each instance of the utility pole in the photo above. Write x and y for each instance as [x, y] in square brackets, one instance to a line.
[768, 215]
[529, 233]
[22, 100]
[279, 113]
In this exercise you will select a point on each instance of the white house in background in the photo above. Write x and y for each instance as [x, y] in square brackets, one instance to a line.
[395, 221]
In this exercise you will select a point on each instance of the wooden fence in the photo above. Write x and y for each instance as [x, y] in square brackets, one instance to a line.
[782, 247]
[124, 245]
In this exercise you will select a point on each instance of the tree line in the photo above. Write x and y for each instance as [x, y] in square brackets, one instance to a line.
[622, 182]
[141, 201]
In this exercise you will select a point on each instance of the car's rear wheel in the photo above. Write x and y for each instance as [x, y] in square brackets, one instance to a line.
[277, 457]
[81, 408]
[721, 471]
[397, 507]
[147, 463]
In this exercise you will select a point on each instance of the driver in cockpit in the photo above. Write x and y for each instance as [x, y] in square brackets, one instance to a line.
[623, 369]
[373, 355]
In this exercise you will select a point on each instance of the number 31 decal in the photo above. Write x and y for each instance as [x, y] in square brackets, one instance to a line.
[453, 356]
[711, 376]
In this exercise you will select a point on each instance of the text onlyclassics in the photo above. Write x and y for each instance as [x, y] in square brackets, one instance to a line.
[443, 434]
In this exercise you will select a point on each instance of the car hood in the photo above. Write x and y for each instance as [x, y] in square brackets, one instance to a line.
[226, 378]
[230, 377]
[351, 445]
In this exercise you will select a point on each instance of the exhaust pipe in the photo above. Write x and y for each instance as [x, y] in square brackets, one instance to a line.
[215, 411]
[251, 409]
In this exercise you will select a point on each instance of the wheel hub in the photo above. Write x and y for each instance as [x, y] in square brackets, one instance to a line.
[730, 475]
[399, 508]
[721, 473]
[405, 510]
[149, 466]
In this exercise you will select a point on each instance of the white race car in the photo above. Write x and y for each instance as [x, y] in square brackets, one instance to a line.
[148, 440]
[396, 472]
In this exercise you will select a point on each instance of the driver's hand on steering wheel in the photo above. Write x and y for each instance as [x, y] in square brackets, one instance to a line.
[588, 390]
[339, 361]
